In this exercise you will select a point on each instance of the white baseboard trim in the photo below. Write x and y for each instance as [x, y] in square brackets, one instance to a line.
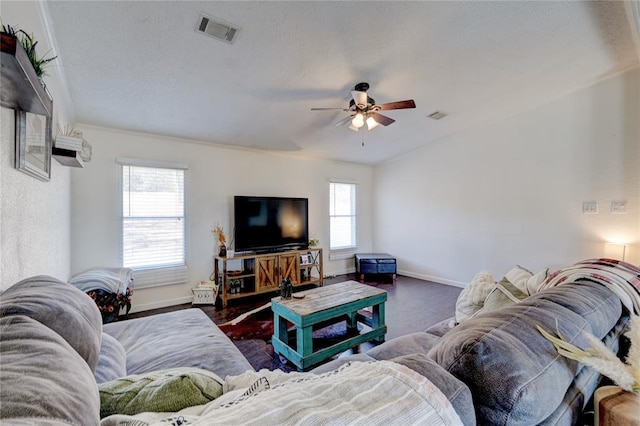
[189, 299]
[351, 270]
[438, 280]
[161, 304]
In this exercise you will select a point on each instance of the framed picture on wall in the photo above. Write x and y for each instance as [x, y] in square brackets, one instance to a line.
[33, 144]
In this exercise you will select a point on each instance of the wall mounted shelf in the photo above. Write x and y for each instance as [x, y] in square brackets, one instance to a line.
[67, 157]
[21, 89]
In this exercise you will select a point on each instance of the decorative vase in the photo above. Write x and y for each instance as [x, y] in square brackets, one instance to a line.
[223, 250]
[616, 407]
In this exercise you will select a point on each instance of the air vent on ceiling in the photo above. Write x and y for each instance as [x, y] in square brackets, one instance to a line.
[216, 28]
[437, 115]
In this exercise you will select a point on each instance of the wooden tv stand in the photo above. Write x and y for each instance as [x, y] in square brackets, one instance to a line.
[250, 274]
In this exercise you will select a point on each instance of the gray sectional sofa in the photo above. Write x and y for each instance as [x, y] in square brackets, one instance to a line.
[513, 374]
[495, 368]
[54, 351]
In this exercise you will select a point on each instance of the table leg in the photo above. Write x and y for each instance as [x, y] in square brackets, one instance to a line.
[352, 323]
[304, 337]
[280, 329]
[377, 319]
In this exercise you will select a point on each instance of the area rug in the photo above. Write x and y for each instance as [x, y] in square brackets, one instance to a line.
[258, 324]
[251, 332]
[255, 324]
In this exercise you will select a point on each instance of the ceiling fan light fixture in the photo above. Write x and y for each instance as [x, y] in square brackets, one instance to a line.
[363, 109]
[371, 123]
[358, 120]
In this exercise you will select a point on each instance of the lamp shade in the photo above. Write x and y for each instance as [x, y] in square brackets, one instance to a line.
[358, 120]
[614, 251]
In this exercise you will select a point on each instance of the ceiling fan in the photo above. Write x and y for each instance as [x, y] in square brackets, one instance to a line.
[364, 110]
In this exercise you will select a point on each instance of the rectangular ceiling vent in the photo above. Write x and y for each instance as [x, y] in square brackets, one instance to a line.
[437, 115]
[216, 28]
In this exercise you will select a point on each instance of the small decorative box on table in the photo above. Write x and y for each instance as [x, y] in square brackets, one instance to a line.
[205, 293]
[375, 263]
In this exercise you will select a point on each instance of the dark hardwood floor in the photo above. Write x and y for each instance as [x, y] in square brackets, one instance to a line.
[412, 305]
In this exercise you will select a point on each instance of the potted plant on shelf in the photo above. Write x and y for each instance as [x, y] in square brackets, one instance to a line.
[218, 231]
[29, 45]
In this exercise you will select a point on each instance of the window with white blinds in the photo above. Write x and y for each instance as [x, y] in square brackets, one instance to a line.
[342, 215]
[153, 219]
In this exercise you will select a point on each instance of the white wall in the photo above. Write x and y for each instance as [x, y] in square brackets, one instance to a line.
[511, 192]
[215, 175]
[34, 215]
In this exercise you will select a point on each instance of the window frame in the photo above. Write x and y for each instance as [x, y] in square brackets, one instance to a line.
[160, 275]
[346, 251]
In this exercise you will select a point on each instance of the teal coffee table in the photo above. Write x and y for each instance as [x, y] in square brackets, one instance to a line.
[323, 304]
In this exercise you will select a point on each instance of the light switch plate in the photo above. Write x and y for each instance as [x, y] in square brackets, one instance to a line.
[618, 207]
[589, 207]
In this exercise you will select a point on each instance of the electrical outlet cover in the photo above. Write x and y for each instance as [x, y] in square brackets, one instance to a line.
[618, 207]
[590, 207]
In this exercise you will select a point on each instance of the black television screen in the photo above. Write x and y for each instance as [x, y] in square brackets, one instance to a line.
[270, 223]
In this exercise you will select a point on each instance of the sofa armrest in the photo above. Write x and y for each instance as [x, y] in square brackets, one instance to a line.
[442, 327]
[404, 345]
[43, 380]
[112, 363]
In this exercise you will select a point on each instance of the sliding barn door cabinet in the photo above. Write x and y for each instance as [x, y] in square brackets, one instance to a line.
[251, 274]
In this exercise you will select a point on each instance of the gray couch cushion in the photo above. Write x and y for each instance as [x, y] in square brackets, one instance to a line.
[113, 360]
[455, 390]
[420, 343]
[483, 352]
[592, 301]
[584, 385]
[61, 307]
[44, 380]
[186, 338]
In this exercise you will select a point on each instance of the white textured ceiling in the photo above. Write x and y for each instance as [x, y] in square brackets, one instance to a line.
[139, 65]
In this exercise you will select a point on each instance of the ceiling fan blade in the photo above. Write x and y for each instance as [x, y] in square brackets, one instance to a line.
[329, 109]
[360, 98]
[344, 121]
[398, 105]
[382, 119]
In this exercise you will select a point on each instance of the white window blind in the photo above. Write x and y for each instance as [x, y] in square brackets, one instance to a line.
[153, 220]
[342, 215]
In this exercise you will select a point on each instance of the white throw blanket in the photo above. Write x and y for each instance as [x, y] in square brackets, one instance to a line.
[358, 393]
[112, 280]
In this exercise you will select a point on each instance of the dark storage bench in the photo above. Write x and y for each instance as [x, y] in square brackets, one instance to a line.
[375, 263]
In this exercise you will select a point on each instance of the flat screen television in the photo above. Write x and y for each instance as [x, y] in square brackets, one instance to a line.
[264, 224]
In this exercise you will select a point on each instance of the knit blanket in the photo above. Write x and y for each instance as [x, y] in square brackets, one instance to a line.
[358, 393]
[621, 277]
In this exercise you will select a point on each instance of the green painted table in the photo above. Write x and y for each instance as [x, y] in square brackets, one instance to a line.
[321, 305]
